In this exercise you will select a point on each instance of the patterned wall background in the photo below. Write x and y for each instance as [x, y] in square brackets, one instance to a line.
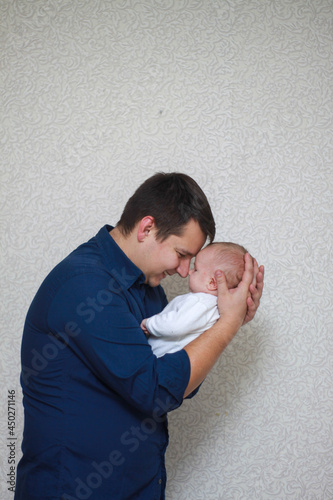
[97, 95]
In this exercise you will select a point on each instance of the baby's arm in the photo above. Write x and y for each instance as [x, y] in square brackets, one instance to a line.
[182, 315]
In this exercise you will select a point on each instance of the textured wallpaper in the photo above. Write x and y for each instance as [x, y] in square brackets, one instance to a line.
[97, 95]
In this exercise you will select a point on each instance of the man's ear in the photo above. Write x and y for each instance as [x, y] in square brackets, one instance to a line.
[212, 284]
[145, 227]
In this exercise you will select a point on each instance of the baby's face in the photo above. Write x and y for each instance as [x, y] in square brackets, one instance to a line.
[201, 274]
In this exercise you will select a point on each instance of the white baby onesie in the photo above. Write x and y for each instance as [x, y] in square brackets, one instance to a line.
[181, 321]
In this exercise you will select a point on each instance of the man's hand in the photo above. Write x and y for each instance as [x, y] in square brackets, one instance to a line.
[232, 304]
[238, 306]
[255, 289]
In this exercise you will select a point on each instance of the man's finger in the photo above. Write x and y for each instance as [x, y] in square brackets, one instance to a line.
[257, 291]
[248, 272]
[221, 281]
[255, 272]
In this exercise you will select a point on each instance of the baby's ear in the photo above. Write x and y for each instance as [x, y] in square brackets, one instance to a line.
[212, 284]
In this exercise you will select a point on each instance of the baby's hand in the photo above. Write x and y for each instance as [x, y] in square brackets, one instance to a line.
[144, 327]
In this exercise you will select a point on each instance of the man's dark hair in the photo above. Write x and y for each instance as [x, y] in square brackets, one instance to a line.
[173, 199]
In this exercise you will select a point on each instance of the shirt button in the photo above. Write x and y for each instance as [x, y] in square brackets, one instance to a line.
[160, 481]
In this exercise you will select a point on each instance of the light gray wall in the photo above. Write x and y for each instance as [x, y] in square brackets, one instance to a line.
[98, 95]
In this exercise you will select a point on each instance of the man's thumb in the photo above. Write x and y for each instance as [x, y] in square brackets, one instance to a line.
[221, 279]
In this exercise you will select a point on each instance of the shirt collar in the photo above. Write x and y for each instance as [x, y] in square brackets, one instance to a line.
[124, 271]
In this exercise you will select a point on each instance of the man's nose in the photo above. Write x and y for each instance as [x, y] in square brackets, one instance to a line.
[183, 268]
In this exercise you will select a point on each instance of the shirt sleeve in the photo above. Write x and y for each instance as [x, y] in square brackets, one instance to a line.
[179, 318]
[107, 337]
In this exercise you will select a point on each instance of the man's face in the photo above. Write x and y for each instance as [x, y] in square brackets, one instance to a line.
[172, 255]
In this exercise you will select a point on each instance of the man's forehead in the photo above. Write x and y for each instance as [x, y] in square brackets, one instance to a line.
[191, 240]
[191, 246]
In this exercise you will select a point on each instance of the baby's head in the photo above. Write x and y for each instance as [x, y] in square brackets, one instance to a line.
[229, 257]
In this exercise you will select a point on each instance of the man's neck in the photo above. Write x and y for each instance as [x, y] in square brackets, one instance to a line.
[116, 234]
[126, 243]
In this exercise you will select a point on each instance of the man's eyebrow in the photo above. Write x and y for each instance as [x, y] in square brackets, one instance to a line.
[186, 252]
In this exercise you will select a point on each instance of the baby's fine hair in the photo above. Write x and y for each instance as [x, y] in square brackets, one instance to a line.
[229, 257]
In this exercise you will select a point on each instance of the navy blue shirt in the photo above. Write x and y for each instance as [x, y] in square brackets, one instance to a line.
[95, 397]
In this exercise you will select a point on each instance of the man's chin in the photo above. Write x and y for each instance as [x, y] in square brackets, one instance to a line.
[156, 280]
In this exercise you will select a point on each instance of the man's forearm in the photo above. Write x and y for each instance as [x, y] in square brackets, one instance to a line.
[205, 350]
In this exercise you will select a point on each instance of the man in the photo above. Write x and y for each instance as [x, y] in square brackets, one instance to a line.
[95, 396]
